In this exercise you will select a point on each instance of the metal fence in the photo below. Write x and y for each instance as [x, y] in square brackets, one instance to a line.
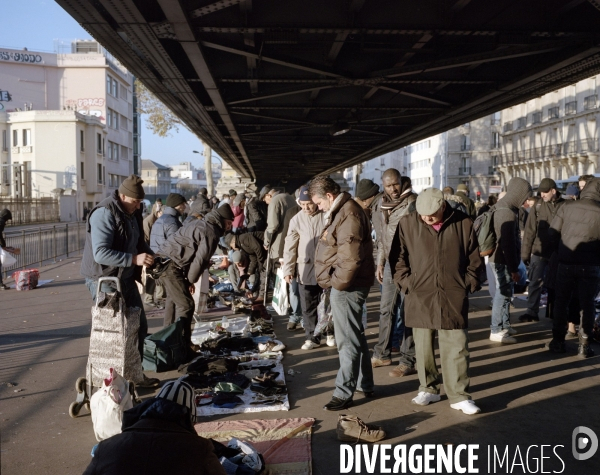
[31, 210]
[45, 245]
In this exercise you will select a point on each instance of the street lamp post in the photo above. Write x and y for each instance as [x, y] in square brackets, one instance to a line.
[208, 167]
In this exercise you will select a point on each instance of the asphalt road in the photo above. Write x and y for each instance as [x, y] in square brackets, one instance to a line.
[529, 397]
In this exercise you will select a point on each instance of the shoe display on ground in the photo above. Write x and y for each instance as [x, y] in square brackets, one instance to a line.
[402, 370]
[424, 398]
[148, 383]
[368, 394]
[337, 404]
[377, 362]
[585, 351]
[352, 429]
[527, 317]
[511, 331]
[467, 406]
[310, 345]
[291, 326]
[555, 346]
[502, 337]
[271, 345]
[330, 340]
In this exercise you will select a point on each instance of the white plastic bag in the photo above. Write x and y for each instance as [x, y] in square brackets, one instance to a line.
[6, 258]
[108, 404]
[281, 299]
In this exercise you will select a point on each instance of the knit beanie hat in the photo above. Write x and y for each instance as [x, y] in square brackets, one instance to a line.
[175, 199]
[181, 393]
[232, 192]
[132, 187]
[366, 188]
[225, 212]
[572, 190]
[429, 201]
[236, 257]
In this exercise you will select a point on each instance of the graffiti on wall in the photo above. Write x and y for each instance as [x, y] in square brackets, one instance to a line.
[20, 57]
[85, 103]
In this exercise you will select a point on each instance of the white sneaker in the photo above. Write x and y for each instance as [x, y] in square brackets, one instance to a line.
[424, 398]
[511, 331]
[467, 406]
[310, 345]
[330, 340]
[502, 337]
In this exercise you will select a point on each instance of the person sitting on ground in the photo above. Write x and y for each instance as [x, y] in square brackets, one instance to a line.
[435, 257]
[5, 215]
[158, 437]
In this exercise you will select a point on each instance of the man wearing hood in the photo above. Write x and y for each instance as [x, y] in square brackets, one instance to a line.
[575, 232]
[398, 200]
[158, 437]
[190, 250]
[536, 250]
[5, 215]
[506, 257]
[256, 211]
[115, 247]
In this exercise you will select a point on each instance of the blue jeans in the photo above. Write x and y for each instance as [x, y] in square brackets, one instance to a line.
[355, 362]
[575, 280]
[296, 315]
[391, 318]
[132, 299]
[501, 302]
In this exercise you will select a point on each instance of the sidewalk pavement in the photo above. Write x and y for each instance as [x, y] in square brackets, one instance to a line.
[528, 396]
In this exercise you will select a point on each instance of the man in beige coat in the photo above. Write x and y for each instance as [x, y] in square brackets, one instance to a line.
[303, 234]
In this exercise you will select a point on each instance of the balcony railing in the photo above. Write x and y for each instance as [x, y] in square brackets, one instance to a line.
[464, 171]
[574, 147]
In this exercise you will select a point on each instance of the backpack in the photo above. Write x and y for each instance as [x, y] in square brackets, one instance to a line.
[485, 232]
[165, 350]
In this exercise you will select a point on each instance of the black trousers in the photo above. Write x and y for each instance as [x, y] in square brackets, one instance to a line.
[309, 300]
[179, 303]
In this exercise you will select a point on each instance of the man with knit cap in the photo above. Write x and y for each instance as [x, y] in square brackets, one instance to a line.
[303, 234]
[366, 192]
[158, 437]
[506, 257]
[190, 250]
[536, 249]
[398, 200]
[435, 256]
[201, 204]
[115, 247]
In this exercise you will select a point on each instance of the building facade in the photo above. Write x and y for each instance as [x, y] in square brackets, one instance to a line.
[66, 122]
[157, 179]
[553, 136]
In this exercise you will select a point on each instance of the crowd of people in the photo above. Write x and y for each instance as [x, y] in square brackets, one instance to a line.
[425, 256]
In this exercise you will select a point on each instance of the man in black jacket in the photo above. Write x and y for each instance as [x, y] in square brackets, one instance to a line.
[190, 250]
[506, 257]
[253, 247]
[536, 250]
[5, 215]
[201, 204]
[575, 232]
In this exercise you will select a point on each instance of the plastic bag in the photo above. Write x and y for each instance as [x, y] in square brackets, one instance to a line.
[281, 299]
[6, 258]
[324, 314]
[108, 404]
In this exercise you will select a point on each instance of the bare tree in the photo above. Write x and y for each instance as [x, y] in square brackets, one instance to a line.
[160, 120]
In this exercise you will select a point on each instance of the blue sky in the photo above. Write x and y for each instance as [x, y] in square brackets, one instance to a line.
[38, 25]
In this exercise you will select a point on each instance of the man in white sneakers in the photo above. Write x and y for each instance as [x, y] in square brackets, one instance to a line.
[303, 234]
[435, 255]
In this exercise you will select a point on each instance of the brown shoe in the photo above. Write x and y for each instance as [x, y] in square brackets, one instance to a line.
[402, 370]
[352, 429]
[377, 362]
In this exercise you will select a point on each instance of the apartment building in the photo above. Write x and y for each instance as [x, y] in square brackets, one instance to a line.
[66, 122]
[554, 136]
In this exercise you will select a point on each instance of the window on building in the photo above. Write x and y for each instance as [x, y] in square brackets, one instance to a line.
[113, 151]
[496, 118]
[123, 92]
[536, 118]
[553, 113]
[99, 171]
[15, 141]
[112, 86]
[495, 139]
[124, 122]
[124, 153]
[26, 137]
[590, 102]
[571, 108]
[99, 143]
[81, 142]
[112, 119]
[382, 161]
[521, 123]
[465, 142]
[4, 140]
[508, 127]
[82, 170]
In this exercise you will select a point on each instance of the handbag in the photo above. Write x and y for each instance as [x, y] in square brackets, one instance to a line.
[6, 258]
[166, 349]
[108, 404]
[281, 300]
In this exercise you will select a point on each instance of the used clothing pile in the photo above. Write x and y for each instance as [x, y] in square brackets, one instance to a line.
[239, 458]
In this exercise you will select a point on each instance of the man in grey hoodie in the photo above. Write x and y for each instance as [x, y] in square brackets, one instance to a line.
[506, 257]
